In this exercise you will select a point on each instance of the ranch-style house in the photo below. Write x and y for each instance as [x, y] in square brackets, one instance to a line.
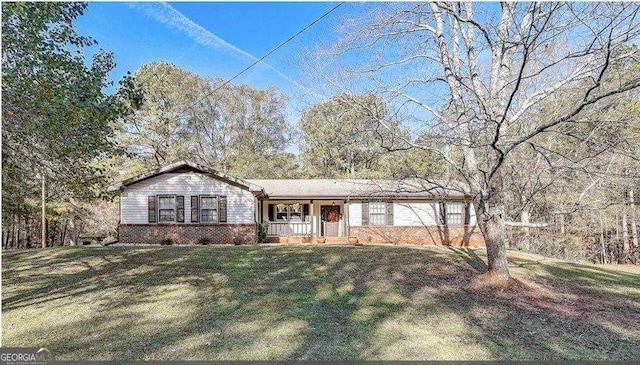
[187, 203]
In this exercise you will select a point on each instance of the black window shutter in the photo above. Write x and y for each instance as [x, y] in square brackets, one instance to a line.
[305, 211]
[194, 208]
[389, 212]
[180, 208]
[467, 213]
[443, 213]
[365, 213]
[270, 206]
[222, 209]
[152, 208]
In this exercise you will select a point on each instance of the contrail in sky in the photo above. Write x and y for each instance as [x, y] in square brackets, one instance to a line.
[167, 14]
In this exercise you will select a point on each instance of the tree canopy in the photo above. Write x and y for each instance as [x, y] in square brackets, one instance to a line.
[57, 119]
[233, 128]
[341, 137]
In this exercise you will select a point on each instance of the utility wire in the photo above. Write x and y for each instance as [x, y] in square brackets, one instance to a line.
[263, 57]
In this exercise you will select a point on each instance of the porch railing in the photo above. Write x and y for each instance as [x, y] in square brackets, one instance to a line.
[289, 229]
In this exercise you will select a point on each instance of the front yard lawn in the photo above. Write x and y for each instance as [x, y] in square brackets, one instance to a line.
[312, 303]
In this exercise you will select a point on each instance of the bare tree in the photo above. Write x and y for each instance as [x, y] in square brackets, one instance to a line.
[478, 76]
[634, 226]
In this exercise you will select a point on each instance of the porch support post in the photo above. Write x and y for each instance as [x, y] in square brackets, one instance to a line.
[346, 218]
[313, 219]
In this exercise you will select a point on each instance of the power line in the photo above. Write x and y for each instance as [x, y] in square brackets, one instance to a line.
[263, 57]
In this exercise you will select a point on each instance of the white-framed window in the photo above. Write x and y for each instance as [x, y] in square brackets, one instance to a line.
[281, 212]
[455, 213]
[289, 212]
[295, 212]
[166, 208]
[208, 209]
[377, 213]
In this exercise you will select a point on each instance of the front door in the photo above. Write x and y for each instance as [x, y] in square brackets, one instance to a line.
[330, 220]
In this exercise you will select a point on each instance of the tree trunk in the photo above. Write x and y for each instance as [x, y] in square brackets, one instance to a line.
[492, 225]
[634, 226]
[525, 218]
[43, 217]
[13, 231]
[64, 232]
[73, 232]
[602, 245]
[27, 220]
[625, 235]
[496, 250]
[18, 233]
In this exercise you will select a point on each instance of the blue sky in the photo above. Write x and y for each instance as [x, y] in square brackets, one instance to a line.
[221, 39]
[211, 39]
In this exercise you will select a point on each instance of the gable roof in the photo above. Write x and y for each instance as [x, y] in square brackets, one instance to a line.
[314, 188]
[184, 166]
[357, 188]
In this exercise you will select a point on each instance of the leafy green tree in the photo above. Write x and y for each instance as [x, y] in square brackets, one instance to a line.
[233, 128]
[157, 133]
[241, 130]
[341, 137]
[57, 119]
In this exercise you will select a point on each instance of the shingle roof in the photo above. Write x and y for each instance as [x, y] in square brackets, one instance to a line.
[316, 188]
[352, 188]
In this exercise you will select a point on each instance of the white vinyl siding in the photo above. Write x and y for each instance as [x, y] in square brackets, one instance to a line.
[355, 214]
[134, 199]
[415, 214]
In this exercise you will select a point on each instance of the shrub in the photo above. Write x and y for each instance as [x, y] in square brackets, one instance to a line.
[238, 241]
[166, 242]
[205, 241]
[262, 232]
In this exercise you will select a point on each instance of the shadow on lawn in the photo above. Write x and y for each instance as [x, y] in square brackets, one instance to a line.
[319, 303]
[470, 257]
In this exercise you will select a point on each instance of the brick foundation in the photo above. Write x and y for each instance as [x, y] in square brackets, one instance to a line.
[183, 234]
[468, 236]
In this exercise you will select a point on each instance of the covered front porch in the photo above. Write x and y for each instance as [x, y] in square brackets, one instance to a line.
[305, 221]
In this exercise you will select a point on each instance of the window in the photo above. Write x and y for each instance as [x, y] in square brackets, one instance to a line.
[282, 212]
[377, 214]
[289, 212]
[208, 209]
[455, 213]
[295, 212]
[166, 209]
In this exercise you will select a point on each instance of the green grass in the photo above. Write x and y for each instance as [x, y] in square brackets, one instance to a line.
[312, 302]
